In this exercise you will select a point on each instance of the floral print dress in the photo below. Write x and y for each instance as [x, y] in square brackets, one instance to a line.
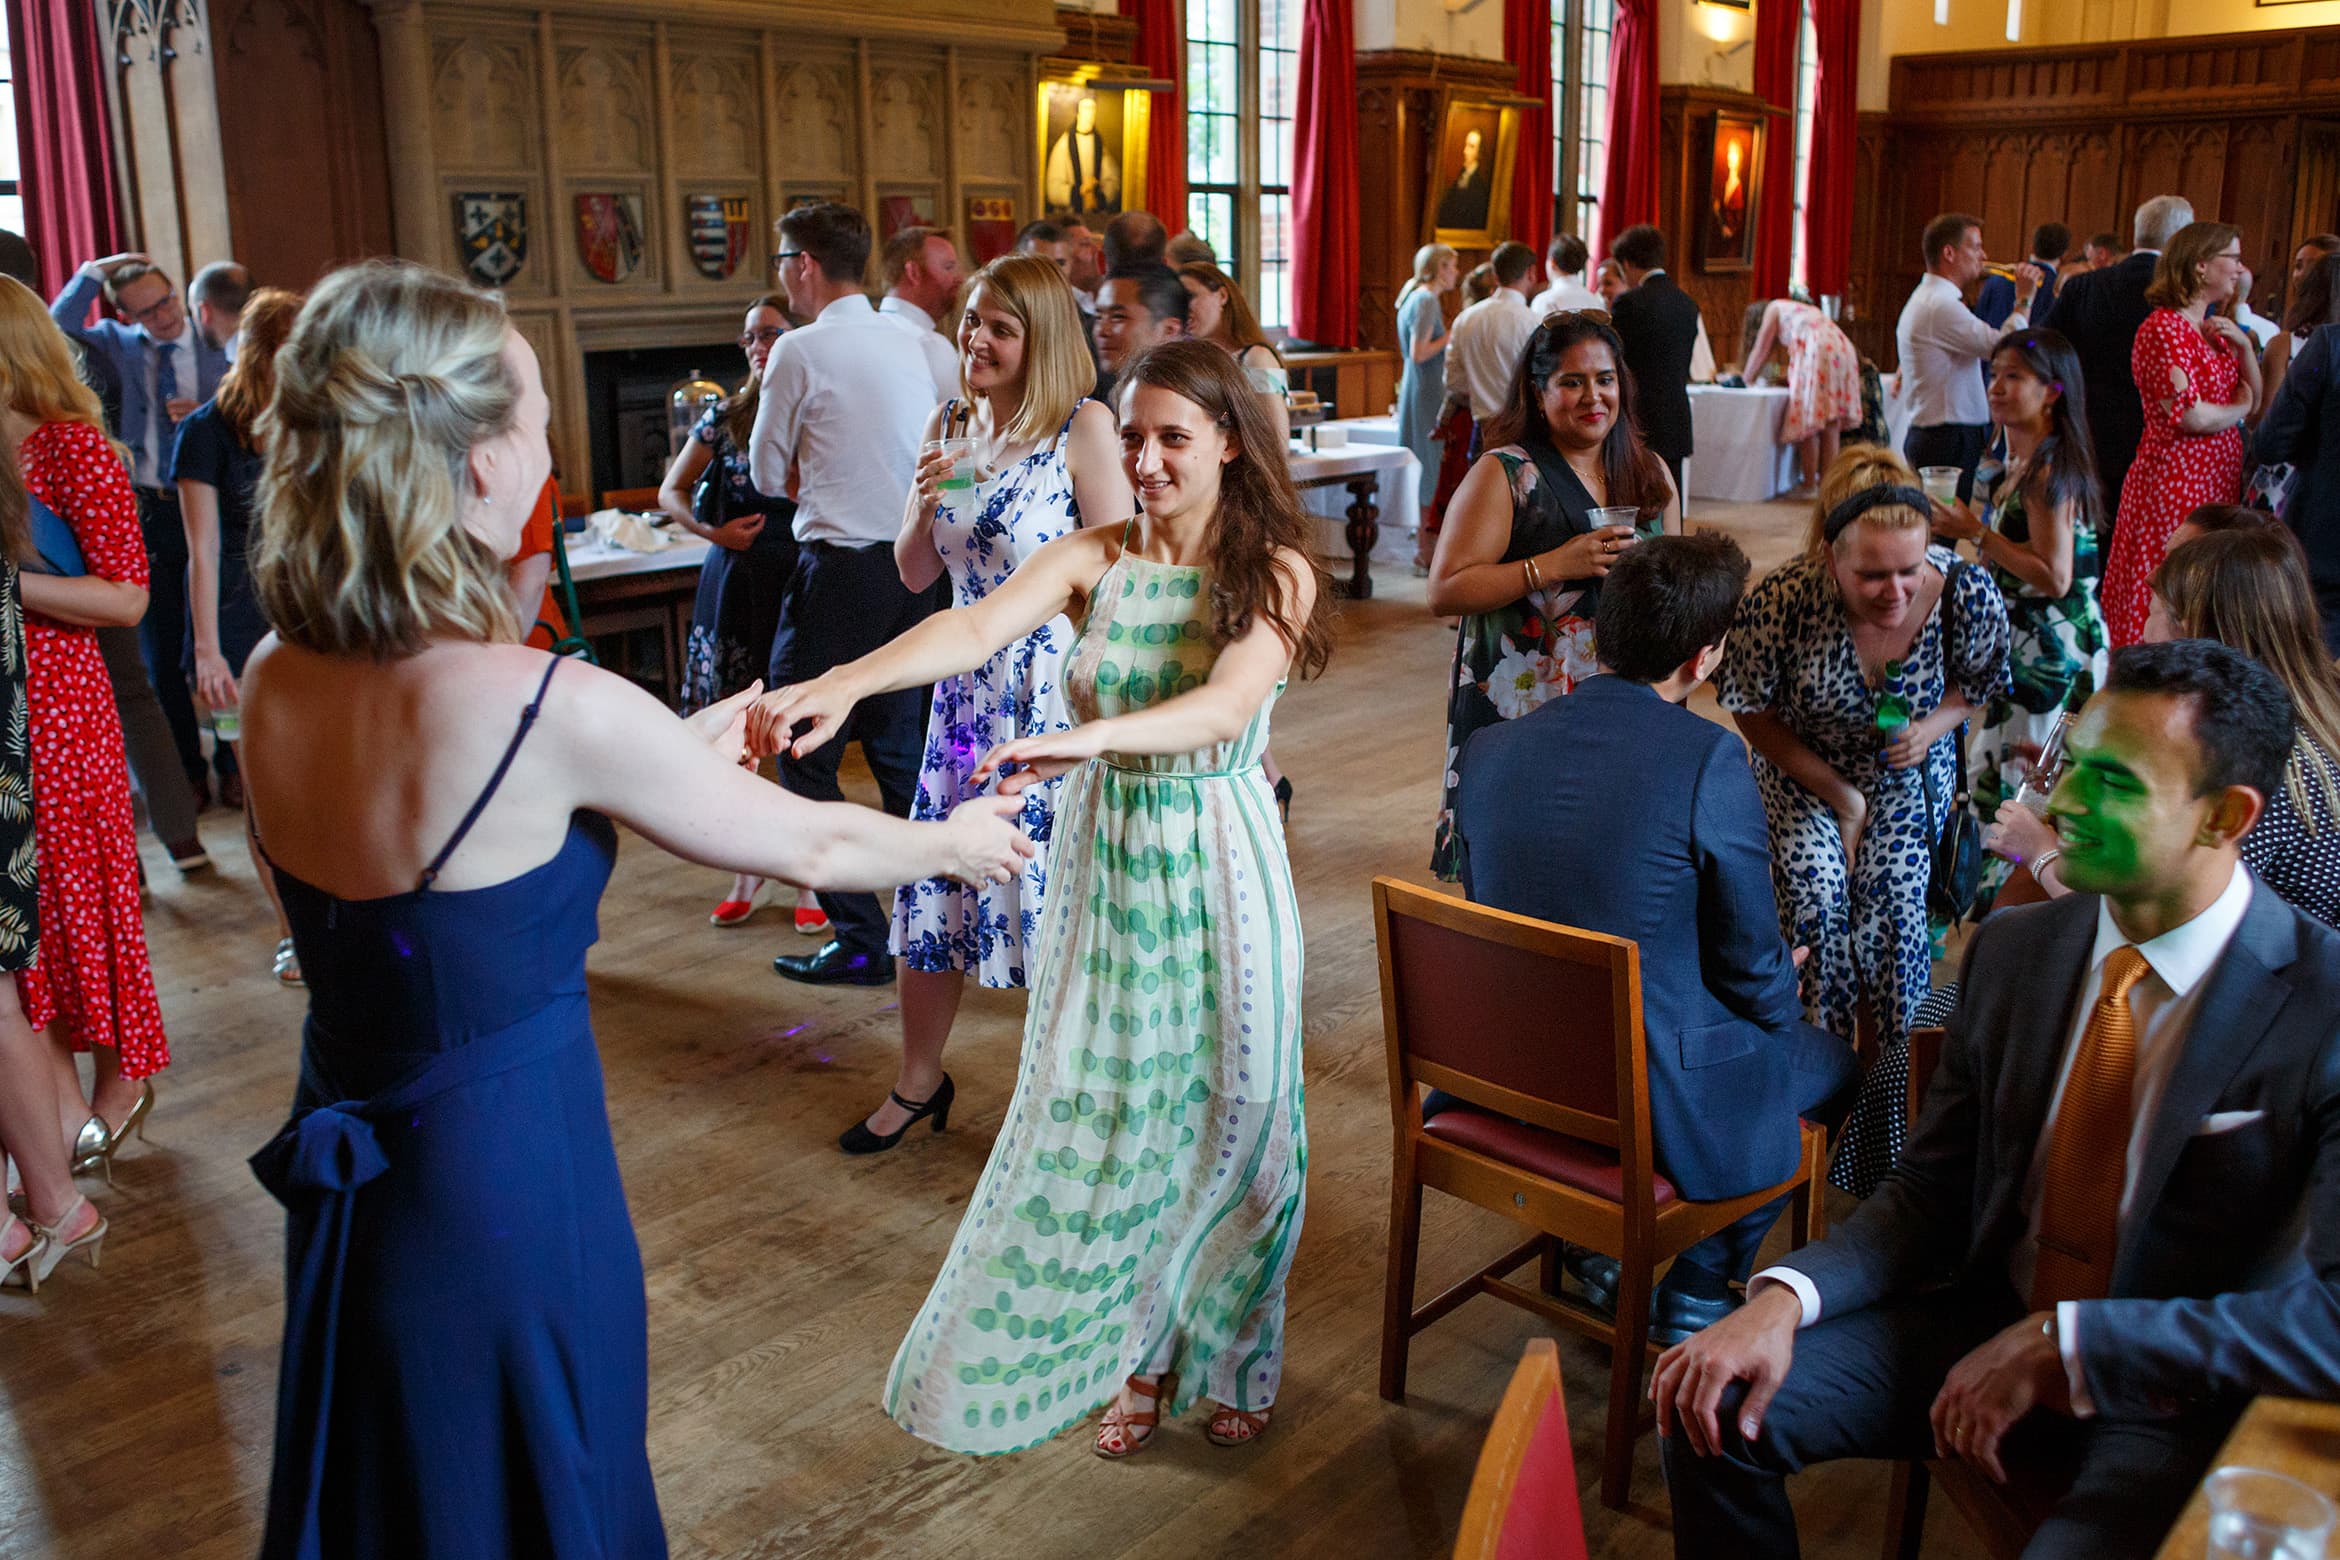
[940, 925]
[2056, 659]
[1823, 376]
[1524, 655]
[1791, 654]
[736, 612]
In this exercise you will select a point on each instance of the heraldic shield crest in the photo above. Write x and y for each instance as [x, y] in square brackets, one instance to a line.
[491, 234]
[719, 233]
[609, 235]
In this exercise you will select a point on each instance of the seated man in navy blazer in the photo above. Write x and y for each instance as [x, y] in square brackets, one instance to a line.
[2118, 1215]
[1618, 810]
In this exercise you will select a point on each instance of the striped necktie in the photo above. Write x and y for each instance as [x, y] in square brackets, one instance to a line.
[2088, 1148]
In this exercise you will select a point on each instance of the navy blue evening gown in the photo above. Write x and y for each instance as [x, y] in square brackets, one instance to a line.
[465, 1367]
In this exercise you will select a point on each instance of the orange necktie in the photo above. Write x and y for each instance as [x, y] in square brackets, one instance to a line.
[2088, 1148]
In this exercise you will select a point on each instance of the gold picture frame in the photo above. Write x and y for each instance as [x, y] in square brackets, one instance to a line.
[1468, 201]
[1112, 178]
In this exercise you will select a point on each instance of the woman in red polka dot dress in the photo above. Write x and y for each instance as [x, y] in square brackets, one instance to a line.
[92, 986]
[2198, 375]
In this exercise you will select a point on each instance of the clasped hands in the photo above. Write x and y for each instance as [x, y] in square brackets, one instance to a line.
[1986, 1394]
[803, 716]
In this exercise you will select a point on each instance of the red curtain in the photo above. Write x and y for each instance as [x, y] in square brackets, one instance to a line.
[1527, 41]
[1161, 53]
[1629, 189]
[1828, 206]
[64, 139]
[1324, 177]
[1776, 24]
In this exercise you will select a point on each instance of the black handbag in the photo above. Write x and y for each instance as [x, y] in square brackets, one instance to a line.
[1957, 840]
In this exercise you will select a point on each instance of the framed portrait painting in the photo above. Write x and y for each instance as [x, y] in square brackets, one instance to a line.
[1470, 199]
[1731, 178]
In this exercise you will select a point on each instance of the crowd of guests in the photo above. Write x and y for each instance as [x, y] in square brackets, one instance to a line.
[1051, 572]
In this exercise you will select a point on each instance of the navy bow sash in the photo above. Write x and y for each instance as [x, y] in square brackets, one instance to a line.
[315, 1166]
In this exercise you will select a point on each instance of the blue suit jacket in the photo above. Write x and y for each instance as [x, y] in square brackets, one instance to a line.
[2227, 1281]
[1617, 812]
[117, 360]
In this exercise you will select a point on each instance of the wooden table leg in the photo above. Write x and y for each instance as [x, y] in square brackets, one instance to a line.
[1364, 532]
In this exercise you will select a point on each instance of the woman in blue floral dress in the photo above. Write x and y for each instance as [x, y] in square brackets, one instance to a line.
[1870, 621]
[1519, 557]
[1047, 461]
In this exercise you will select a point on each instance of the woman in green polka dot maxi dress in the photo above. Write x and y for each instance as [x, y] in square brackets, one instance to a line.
[1128, 1243]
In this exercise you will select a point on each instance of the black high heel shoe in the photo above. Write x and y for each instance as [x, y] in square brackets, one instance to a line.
[858, 1139]
[1284, 797]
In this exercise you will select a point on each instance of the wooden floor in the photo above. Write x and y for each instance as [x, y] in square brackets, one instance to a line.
[140, 1400]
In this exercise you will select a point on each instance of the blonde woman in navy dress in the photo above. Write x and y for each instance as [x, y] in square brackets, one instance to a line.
[1047, 461]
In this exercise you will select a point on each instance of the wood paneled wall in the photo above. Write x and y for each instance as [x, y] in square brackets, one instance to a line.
[2244, 125]
[300, 112]
[1722, 295]
[1398, 96]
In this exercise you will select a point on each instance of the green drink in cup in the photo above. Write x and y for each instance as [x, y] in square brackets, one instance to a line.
[962, 453]
[1893, 711]
[1940, 482]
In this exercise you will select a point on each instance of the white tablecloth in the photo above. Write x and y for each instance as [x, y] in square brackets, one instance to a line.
[1736, 434]
[590, 558]
[1399, 498]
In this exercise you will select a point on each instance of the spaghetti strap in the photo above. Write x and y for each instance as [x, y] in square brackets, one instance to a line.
[503, 766]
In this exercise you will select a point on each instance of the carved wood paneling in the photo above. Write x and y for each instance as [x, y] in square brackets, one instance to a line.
[812, 106]
[991, 125]
[2084, 134]
[717, 116]
[905, 122]
[1398, 93]
[605, 107]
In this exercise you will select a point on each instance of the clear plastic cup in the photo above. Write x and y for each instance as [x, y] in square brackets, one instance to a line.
[1625, 515]
[2257, 1515]
[962, 453]
[1940, 483]
[227, 724]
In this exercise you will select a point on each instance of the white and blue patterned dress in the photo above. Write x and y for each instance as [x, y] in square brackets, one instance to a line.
[983, 536]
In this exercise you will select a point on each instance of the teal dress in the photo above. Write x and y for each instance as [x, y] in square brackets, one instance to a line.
[1141, 1206]
[1421, 386]
[2056, 658]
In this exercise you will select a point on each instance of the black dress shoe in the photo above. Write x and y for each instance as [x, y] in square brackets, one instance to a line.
[1678, 1315]
[833, 966]
[1596, 1275]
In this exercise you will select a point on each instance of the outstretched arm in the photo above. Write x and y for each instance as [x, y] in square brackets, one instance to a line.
[1053, 580]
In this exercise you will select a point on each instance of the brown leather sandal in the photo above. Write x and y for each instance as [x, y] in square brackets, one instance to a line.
[1237, 1427]
[1126, 1432]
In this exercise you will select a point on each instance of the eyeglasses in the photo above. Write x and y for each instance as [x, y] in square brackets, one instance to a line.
[784, 256]
[766, 336]
[154, 310]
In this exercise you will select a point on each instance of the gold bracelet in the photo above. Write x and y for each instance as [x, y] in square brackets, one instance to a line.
[1534, 575]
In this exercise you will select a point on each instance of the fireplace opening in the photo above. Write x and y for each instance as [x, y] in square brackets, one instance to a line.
[626, 406]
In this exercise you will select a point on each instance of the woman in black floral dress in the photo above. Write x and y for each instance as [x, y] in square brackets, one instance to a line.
[737, 611]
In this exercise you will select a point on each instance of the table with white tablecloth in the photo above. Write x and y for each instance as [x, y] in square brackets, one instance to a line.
[1353, 489]
[1735, 433]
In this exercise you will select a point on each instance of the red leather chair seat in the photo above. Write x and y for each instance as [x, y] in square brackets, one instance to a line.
[1589, 1167]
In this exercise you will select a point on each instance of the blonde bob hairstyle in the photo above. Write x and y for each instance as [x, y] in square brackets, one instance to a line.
[1859, 468]
[1058, 371]
[392, 375]
[40, 375]
[1427, 260]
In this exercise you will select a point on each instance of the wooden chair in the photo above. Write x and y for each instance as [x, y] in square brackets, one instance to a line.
[1522, 1504]
[640, 500]
[2003, 1516]
[1537, 1028]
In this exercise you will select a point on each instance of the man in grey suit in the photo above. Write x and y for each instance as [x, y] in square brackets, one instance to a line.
[1966, 1310]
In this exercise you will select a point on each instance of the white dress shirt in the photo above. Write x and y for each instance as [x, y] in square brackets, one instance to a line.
[1941, 342]
[844, 403]
[1483, 353]
[942, 360]
[2262, 329]
[1567, 293]
[2164, 1002]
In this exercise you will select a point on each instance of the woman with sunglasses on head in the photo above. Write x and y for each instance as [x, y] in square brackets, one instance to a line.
[1848, 671]
[1521, 552]
[709, 494]
[2036, 532]
[1137, 1220]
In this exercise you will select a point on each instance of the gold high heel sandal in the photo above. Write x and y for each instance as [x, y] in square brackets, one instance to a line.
[93, 1149]
[135, 1122]
[54, 1249]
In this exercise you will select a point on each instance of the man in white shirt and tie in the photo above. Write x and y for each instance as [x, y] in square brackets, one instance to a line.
[1943, 348]
[844, 402]
[2118, 1217]
[1482, 351]
[921, 268]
